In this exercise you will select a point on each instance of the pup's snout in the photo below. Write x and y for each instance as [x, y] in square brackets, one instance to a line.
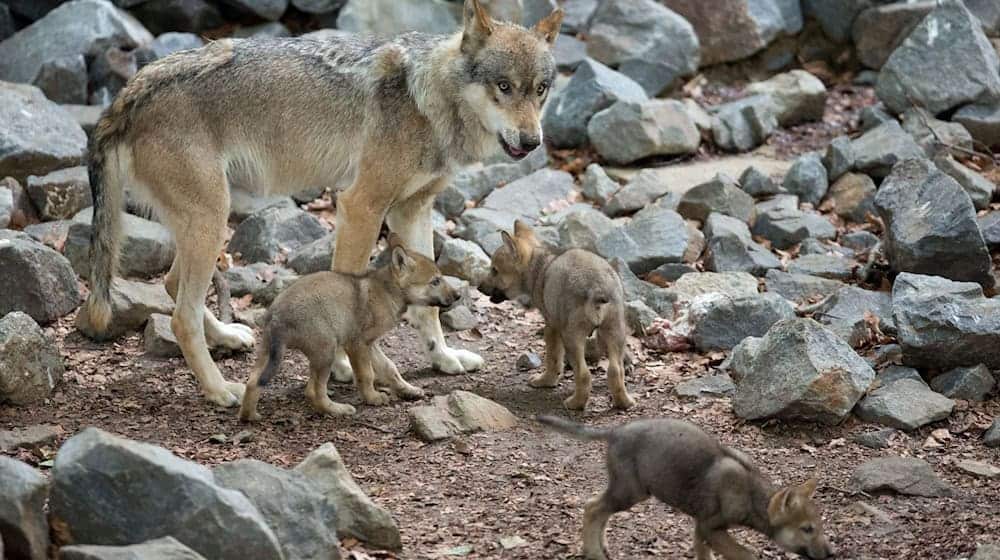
[529, 141]
[497, 297]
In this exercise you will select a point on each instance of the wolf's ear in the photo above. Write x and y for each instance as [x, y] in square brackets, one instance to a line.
[548, 27]
[778, 507]
[402, 262]
[807, 488]
[477, 26]
[523, 230]
[511, 244]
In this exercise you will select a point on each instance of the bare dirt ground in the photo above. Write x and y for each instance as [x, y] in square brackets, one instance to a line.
[460, 498]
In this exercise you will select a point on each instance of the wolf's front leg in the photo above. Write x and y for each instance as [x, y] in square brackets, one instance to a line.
[411, 220]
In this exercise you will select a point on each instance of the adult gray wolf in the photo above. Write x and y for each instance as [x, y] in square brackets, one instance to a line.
[689, 470]
[386, 121]
[328, 311]
[577, 292]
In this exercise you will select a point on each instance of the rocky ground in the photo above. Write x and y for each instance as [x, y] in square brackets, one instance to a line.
[801, 205]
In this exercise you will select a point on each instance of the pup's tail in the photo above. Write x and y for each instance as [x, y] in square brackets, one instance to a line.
[573, 429]
[597, 306]
[272, 350]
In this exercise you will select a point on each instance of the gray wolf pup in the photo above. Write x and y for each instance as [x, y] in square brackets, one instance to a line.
[327, 311]
[385, 121]
[577, 292]
[689, 470]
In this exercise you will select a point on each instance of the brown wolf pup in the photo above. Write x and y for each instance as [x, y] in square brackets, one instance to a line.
[689, 470]
[386, 122]
[577, 293]
[325, 312]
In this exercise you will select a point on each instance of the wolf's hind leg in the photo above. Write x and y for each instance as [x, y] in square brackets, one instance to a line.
[319, 375]
[387, 375]
[555, 354]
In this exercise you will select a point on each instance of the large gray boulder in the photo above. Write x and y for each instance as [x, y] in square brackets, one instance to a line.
[720, 322]
[59, 195]
[147, 247]
[737, 29]
[880, 148]
[628, 130]
[533, 195]
[653, 237]
[944, 63]
[132, 303]
[731, 248]
[903, 475]
[472, 184]
[945, 324]
[906, 403]
[38, 136]
[153, 494]
[392, 17]
[80, 27]
[302, 518]
[37, 280]
[273, 231]
[24, 528]
[798, 96]
[30, 364]
[646, 41]
[357, 515]
[802, 371]
[166, 548]
[593, 88]
[931, 225]
[879, 30]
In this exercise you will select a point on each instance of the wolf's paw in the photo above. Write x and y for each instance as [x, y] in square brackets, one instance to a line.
[376, 398]
[543, 380]
[454, 361]
[575, 402]
[228, 396]
[336, 409]
[249, 416]
[233, 336]
[624, 402]
[409, 392]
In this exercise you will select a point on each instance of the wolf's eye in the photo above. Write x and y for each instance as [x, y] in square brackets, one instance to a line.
[493, 271]
[436, 281]
[808, 529]
[542, 88]
[504, 86]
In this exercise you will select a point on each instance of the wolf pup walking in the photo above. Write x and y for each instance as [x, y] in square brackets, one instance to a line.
[327, 311]
[388, 121]
[577, 293]
[689, 470]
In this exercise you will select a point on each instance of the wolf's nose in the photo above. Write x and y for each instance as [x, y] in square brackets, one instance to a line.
[529, 142]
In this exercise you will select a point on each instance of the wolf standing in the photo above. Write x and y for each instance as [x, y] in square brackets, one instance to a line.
[387, 121]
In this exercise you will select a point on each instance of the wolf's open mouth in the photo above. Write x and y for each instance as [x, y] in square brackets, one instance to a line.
[516, 153]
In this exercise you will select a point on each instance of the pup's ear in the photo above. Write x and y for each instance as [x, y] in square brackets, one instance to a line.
[778, 507]
[511, 244]
[548, 27]
[523, 230]
[477, 26]
[807, 488]
[402, 262]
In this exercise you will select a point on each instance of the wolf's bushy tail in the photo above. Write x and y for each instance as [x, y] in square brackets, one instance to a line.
[573, 429]
[107, 189]
[272, 349]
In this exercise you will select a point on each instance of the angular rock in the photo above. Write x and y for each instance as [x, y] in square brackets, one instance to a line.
[731, 284]
[882, 147]
[740, 126]
[817, 247]
[61, 194]
[785, 227]
[582, 228]
[730, 247]
[944, 324]
[931, 225]
[844, 313]
[743, 356]
[630, 130]
[154, 494]
[158, 338]
[802, 371]
[905, 404]
[268, 233]
[528, 361]
[807, 179]
[316, 256]
[878, 439]
[670, 272]
[875, 115]
[392, 17]
[38, 136]
[242, 204]
[471, 185]
[966, 383]
[989, 225]
[660, 300]
[596, 185]
[982, 121]
[879, 30]
[719, 322]
[464, 259]
[593, 88]
[63, 79]
[645, 188]
[38, 280]
[800, 287]
[935, 136]
[132, 303]
[459, 412]
[569, 52]
[798, 96]
[944, 63]
[859, 241]
[300, 517]
[482, 225]
[357, 515]
[839, 158]
[824, 266]
[639, 317]
[161, 16]
[756, 183]
[979, 188]
[318, 6]
[167, 43]
[908, 476]
[982, 470]
[738, 29]
[531, 196]
[653, 237]
[74, 28]
[722, 194]
[29, 437]
[24, 529]
[578, 13]
[459, 318]
[709, 385]
[991, 437]
[166, 548]
[147, 248]
[852, 197]
[647, 42]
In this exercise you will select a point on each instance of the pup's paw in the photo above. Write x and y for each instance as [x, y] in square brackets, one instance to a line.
[249, 416]
[543, 380]
[624, 402]
[233, 336]
[336, 409]
[376, 398]
[341, 371]
[409, 392]
[575, 402]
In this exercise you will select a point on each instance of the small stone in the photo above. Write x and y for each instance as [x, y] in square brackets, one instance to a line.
[29, 437]
[978, 468]
[798, 96]
[596, 185]
[60, 194]
[707, 386]
[720, 322]
[670, 272]
[847, 310]
[979, 188]
[581, 229]
[966, 383]
[903, 475]
[132, 303]
[23, 523]
[465, 260]
[756, 183]
[528, 361]
[987, 551]
[935, 136]
[653, 237]
[730, 247]
[158, 339]
[982, 121]
[646, 187]
[878, 439]
[742, 125]
[639, 317]
[273, 230]
[785, 227]
[859, 241]
[459, 318]
[852, 197]
[807, 179]
[880, 148]
[839, 158]
[722, 194]
[457, 413]
[166, 548]
[316, 256]
[875, 115]
[147, 247]
[632, 130]
[991, 437]
[30, 364]
[46, 286]
[906, 404]
[800, 287]
[824, 266]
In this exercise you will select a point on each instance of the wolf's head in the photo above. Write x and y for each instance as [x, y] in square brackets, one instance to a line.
[796, 523]
[418, 277]
[509, 71]
[510, 264]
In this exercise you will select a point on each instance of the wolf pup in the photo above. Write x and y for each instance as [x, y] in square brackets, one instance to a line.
[385, 121]
[689, 470]
[327, 311]
[577, 293]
